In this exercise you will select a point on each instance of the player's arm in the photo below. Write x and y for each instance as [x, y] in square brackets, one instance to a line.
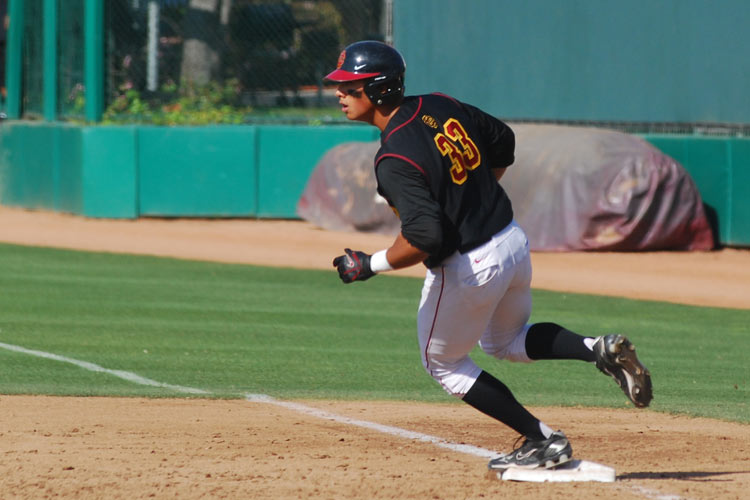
[403, 254]
[356, 265]
[406, 189]
[421, 231]
[497, 135]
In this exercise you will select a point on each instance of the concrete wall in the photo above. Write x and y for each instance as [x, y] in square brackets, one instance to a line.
[134, 171]
[259, 171]
[721, 169]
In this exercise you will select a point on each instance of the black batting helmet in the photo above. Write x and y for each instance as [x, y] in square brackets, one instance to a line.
[380, 64]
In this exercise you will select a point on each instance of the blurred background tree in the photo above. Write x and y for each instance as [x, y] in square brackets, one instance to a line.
[262, 53]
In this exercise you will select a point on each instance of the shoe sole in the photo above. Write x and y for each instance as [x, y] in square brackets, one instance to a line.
[549, 464]
[563, 459]
[637, 379]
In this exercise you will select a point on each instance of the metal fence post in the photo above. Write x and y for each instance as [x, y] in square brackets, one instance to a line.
[386, 22]
[49, 50]
[152, 66]
[94, 59]
[13, 54]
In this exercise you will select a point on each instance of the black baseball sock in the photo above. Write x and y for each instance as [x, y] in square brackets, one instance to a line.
[552, 341]
[493, 398]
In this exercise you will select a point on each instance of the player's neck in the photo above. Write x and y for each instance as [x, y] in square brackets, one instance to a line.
[382, 116]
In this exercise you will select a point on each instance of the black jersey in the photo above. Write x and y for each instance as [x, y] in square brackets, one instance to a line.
[433, 167]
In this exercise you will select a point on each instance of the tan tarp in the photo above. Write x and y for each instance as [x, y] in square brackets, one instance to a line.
[572, 188]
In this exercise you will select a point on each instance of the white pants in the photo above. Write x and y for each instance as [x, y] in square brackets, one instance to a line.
[482, 296]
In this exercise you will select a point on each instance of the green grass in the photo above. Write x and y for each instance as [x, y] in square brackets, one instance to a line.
[235, 329]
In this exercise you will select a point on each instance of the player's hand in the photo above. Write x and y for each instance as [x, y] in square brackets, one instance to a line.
[354, 266]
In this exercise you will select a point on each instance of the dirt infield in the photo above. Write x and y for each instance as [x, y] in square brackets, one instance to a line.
[141, 448]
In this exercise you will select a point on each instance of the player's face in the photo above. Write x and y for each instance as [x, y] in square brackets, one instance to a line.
[354, 103]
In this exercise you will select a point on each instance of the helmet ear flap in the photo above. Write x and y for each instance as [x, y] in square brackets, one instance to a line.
[385, 90]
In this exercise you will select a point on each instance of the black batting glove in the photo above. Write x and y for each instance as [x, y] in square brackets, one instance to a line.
[354, 266]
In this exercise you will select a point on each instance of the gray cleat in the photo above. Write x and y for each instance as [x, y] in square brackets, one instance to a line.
[547, 454]
[615, 356]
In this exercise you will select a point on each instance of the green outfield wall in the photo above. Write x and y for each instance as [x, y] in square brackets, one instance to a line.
[259, 171]
[136, 171]
[721, 169]
[582, 60]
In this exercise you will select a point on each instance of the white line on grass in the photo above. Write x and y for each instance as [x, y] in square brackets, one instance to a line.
[129, 376]
[300, 408]
[262, 398]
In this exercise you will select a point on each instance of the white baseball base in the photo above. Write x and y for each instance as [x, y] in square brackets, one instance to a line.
[575, 470]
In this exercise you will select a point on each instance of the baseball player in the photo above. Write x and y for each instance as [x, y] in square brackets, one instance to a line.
[438, 167]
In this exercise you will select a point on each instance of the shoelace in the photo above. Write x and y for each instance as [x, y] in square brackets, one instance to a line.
[515, 444]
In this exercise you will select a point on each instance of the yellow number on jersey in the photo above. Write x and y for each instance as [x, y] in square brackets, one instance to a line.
[456, 144]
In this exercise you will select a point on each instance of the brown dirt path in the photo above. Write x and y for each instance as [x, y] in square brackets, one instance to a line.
[720, 278]
[141, 448]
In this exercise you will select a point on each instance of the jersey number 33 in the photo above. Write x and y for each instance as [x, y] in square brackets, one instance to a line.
[455, 144]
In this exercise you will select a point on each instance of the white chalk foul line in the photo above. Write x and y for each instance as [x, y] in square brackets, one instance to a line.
[262, 398]
[386, 429]
[129, 376]
[308, 410]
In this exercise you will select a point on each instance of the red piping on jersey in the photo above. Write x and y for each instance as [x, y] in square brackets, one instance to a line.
[404, 158]
[446, 96]
[406, 122]
[434, 319]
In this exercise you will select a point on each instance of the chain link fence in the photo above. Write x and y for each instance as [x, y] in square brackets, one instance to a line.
[222, 61]
[70, 59]
[32, 58]
[201, 61]
[235, 61]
